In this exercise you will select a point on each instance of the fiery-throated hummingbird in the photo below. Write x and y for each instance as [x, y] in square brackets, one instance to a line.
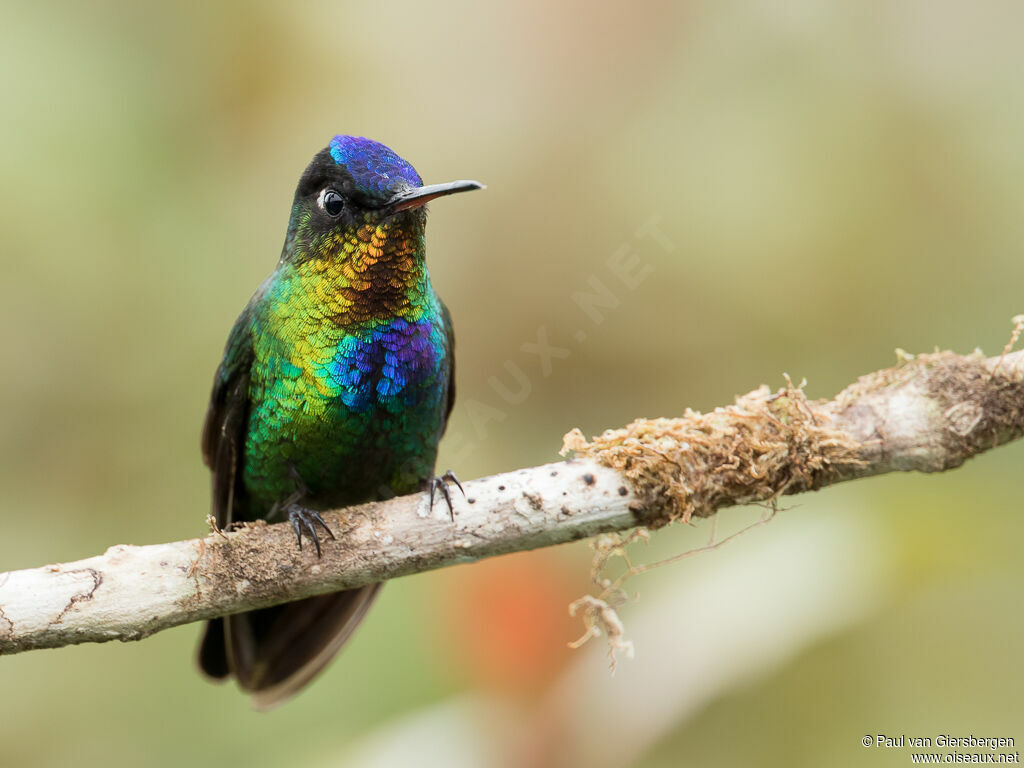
[334, 389]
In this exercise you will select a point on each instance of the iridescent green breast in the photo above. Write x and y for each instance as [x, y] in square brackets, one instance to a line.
[355, 409]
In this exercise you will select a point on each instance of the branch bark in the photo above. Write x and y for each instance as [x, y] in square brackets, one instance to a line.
[928, 414]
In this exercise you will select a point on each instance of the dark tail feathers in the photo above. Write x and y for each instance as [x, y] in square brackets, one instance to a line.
[274, 652]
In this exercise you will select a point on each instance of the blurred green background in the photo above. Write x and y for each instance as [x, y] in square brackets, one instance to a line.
[827, 181]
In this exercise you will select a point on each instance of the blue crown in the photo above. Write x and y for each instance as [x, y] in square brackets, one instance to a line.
[374, 167]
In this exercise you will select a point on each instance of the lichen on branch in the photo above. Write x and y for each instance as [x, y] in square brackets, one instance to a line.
[929, 413]
[763, 446]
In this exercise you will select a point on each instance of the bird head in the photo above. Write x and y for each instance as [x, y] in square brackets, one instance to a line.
[357, 195]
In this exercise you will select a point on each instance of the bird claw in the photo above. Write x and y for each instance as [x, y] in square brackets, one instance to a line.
[441, 484]
[302, 519]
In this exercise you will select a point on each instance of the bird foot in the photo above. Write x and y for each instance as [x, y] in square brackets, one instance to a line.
[303, 519]
[440, 484]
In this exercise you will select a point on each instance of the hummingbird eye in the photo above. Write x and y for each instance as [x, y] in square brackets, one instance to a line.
[331, 202]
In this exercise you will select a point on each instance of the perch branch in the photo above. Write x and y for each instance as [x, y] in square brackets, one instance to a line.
[929, 414]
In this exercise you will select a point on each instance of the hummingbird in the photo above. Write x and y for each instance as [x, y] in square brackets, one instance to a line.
[334, 389]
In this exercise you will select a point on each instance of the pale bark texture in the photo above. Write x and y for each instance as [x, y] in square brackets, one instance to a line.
[929, 414]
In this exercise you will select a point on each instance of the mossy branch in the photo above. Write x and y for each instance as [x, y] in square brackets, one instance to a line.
[930, 413]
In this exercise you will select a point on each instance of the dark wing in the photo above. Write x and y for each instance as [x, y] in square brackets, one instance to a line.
[227, 417]
[449, 332]
[223, 444]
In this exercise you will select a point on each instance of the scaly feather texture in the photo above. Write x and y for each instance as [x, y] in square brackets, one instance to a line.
[350, 372]
[334, 389]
